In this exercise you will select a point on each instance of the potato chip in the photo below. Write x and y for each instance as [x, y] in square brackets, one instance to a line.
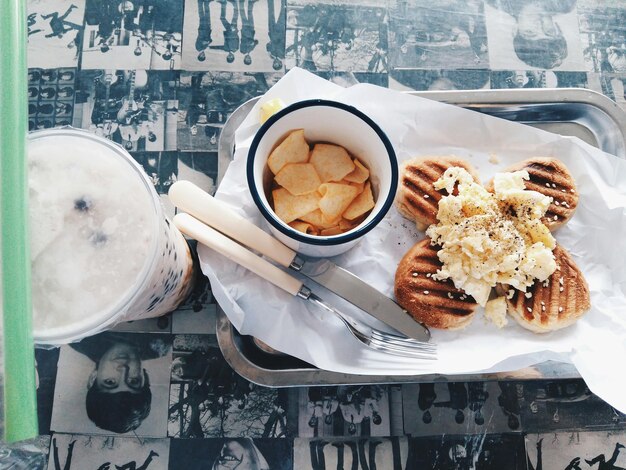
[298, 178]
[336, 230]
[354, 222]
[329, 220]
[317, 219]
[345, 224]
[358, 186]
[289, 207]
[324, 191]
[304, 227]
[335, 199]
[359, 174]
[361, 204]
[294, 149]
[332, 162]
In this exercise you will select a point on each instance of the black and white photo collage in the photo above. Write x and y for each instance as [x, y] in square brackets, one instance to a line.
[161, 79]
[160, 397]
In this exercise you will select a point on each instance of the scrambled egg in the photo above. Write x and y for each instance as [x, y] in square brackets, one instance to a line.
[495, 311]
[490, 238]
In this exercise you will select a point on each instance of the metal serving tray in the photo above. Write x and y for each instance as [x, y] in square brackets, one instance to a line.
[577, 112]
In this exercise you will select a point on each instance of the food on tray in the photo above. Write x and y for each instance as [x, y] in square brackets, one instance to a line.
[361, 204]
[553, 304]
[303, 227]
[298, 178]
[269, 108]
[435, 303]
[294, 149]
[495, 311]
[489, 238]
[360, 174]
[289, 207]
[335, 199]
[332, 162]
[480, 236]
[549, 177]
[417, 199]
[322, 192]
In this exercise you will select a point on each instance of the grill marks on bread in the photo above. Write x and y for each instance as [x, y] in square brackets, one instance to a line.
[549, 177]
[417, 199]
[437, 304]
[546, 306]
[555, 303]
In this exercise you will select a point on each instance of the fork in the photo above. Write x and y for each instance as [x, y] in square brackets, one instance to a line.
[369, 336]
[372, 337]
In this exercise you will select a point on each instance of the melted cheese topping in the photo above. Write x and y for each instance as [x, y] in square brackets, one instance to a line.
[490, 238]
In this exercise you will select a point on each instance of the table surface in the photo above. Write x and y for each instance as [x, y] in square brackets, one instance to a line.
[193, 63]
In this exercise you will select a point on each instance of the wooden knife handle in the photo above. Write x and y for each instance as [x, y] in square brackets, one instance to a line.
[200, 204]
[237, 253]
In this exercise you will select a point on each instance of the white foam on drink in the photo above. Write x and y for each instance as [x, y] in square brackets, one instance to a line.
[92, 225]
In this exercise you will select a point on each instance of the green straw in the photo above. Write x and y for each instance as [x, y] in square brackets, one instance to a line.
[20, 397]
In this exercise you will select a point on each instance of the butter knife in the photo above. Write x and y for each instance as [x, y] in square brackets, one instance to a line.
[215, 213]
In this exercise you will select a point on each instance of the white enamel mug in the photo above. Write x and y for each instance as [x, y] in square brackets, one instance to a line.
[329, 122]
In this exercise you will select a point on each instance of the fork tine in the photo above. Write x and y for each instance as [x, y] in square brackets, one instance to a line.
[415, 348]
[402, 351]
[402, 338]
[402, 341]
[376, 339]
[407, 342]
[412, 351]
[391, 348]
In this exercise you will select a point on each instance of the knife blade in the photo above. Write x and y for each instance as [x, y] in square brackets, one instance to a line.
[352, 288]
[201, 205]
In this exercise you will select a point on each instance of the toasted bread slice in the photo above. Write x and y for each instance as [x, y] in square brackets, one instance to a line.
[549, 177]
[437, 304]
[417, 199]
[555, 303]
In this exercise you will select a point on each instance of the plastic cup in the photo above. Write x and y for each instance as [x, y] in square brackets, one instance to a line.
[102, 249]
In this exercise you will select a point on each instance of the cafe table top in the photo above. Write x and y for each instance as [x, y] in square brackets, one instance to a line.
[191, 64]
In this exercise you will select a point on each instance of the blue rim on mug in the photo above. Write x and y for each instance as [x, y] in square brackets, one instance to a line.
[311, 239]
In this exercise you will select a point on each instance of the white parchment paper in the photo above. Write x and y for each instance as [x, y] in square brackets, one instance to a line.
[595, 236]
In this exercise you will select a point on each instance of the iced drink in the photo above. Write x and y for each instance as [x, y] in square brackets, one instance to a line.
[102, 250]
